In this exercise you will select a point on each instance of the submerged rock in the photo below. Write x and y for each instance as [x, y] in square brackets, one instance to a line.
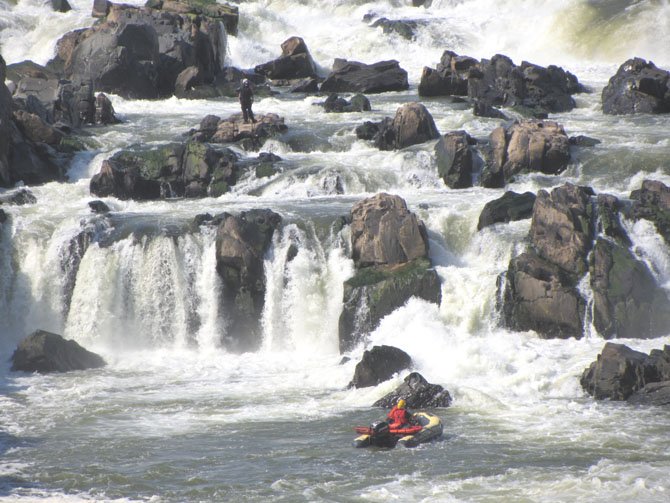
[417, 393]
[47, 352]
[379, 364]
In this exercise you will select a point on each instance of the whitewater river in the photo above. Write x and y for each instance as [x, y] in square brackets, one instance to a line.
[174, 418]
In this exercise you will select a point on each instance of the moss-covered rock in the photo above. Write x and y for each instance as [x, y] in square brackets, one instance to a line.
[375, 292]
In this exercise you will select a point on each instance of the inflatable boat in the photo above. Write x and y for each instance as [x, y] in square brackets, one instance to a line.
[425, 427]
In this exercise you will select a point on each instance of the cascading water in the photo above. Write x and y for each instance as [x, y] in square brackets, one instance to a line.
[176, 417]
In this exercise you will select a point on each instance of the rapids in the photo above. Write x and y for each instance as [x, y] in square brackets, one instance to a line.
[173, 417]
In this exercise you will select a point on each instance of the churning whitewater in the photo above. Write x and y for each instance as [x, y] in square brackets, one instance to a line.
[175, 416]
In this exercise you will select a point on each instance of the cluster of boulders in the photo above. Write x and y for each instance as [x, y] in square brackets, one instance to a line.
[621, 373]
[381, 363]
[573, 232]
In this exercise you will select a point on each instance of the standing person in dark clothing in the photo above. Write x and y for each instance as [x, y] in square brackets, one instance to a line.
[246, 96]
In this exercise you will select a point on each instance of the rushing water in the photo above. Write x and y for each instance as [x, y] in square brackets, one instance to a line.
[173, 417]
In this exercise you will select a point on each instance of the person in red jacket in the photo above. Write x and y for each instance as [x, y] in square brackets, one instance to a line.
[399, 415]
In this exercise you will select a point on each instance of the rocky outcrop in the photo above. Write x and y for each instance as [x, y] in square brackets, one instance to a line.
[508, 208]
[6, 127]
[357, 103]
[417, 393]
[385, 232]
[139, 52]
[411, 125]
[562, 227]
[637, 87]
[652, 202]
[539, 296]
[540, 285]
[232, 129]
[456, 159]
[379, 364]
[626, 300]
[620, 372]
[524, 147]
[450, 78]
[241, 244]
[499, 82]
[45, 352]
[190, 170]
[655, 394]
[389, 247]
[295, 62]
[355, 77]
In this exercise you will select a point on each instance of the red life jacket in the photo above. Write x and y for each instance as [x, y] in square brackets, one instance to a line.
[397, 417]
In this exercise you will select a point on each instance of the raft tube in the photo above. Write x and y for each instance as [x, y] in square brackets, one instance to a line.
[431, 428]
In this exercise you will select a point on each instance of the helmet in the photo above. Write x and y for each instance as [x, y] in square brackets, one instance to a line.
[401, 404]
[245, 82]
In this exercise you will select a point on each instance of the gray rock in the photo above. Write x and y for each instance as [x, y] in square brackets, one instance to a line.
[627, 302]
[241, 244]
[417, 393]
[385, 232]
[562, 227]
[355, 77]
[618, 372]
[508, 208]
[540, 296]
[656, 394]
[295, 62]
[375, 292]
[637, 87]
[652, 202]
[379, 364]
[455, 158]
[46, 352]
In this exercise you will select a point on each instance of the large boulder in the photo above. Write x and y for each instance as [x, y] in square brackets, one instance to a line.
[241, 244]
[540, 296]
[510, 207]
[295, 62]
[637, 87]
[379, 364]
[375, 292]
[417, 393]
[411, 125]
[562, 227]
[232, 129]
[620, 371]
[385, 232]
[47, 352]
[176, 170]
[627, 302]
[138, 52]
[525, 147]
[652, 202]
[450, 78]
[456, 159]
[355, 77]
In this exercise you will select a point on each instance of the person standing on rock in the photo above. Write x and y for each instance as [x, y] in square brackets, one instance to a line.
[246, 96]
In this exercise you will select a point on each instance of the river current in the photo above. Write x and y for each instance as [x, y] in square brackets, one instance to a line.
[174, 418]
